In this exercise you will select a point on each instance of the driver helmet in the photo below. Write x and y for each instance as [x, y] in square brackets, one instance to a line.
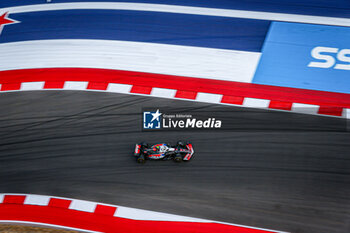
[162, 148]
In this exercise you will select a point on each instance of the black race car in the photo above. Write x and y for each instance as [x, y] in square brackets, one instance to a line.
[163, 151]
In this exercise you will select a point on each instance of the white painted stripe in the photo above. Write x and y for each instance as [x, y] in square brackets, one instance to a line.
[49, 225]
[85, 206]
[1, 198]
[346, 113]
[137, 214]
[256, 103]
[37, 200]
[208, 97]
[27, 86]
[231, 65]
[119, 88]
[163, 92]
[70, 85]
[305, 108]
[183, 10]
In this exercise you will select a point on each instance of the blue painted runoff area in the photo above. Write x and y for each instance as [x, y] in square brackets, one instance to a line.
[306, 56]
[333, 8]
[138, 26]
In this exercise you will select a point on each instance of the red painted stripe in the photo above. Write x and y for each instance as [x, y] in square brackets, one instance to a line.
[14, 199]
[106, 210]
[59, 203]
[227, 99]
[186, 94]
[97, 86]
[187, 87]
[54, 84]
[146, 90]
[10, 86]
[282, 105]
[108, 224]
[326, 110]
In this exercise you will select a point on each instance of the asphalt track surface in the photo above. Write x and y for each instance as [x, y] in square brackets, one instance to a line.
[282, 171]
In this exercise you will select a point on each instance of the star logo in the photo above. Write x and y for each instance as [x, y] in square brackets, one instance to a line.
[156, 115]
[151, 120]
[4, 20]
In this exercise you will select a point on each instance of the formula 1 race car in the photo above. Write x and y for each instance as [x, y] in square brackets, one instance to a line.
[162, 151]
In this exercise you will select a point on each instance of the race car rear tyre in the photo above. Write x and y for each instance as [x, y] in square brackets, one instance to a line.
[178, 158]
[144, 145]
[180, 143]
[141, 159]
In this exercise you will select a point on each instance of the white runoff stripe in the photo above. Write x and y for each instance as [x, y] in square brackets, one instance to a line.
[255, 103]
[346, 113]
[183, 10]
[85, 206]
[33, 199]
[208, 97]
[70, 85]
[29, 86]
[163, 92]
[231, 65]
[119, 88]
[305, 108]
